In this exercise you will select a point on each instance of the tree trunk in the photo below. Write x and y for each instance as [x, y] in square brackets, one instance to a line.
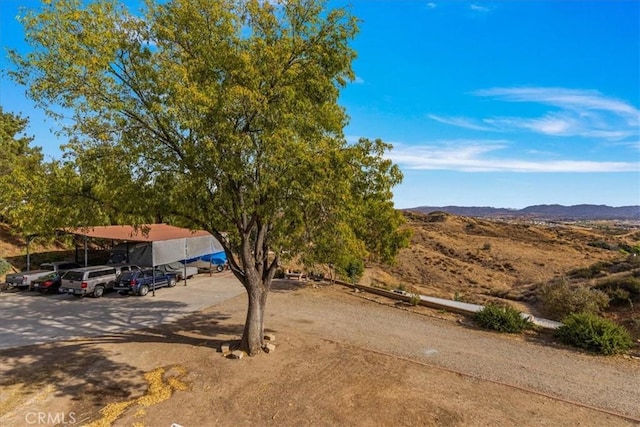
[253, 334]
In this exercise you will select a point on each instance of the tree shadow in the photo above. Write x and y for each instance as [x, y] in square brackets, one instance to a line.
[84, 371]
[285, 285]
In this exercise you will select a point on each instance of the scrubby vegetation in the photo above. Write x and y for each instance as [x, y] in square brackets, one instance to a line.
[594, 333]
[502, 319]
[560, 299]
[414, 299]
[4, 266]
[621, 291]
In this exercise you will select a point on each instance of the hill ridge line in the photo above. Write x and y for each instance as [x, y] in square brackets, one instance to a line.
[545, 211]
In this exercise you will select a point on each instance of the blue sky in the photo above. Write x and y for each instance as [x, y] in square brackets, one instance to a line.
[503, 103]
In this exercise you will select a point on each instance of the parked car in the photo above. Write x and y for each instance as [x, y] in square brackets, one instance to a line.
[94, 280]
[25, 279]
[141, 282]
[179, 270]
[48, 284]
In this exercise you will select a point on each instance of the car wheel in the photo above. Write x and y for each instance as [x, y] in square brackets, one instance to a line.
[172, 282]
[98, 291]
[219, 268]
[144, 289]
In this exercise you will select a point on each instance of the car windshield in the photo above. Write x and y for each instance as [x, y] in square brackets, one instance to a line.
[50, 276]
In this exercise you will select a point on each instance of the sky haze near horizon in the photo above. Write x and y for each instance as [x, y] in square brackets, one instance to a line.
[503, 103]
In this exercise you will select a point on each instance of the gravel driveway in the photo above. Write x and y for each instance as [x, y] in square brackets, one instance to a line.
[609, 383]
[329, 314]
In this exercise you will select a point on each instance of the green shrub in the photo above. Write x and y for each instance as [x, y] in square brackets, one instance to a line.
[615, 288]
[601, 245]
[502, 318]
[598, 269]
[594, 333]
[414, 299]
[628, 249]
[619, 296]
[4, 266]
[560, 299]
[354, 269]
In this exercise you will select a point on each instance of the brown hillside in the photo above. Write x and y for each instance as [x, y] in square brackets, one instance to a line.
[13, 250]
[477, 260]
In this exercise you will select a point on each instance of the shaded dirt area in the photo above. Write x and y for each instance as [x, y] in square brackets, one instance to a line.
[340, 359]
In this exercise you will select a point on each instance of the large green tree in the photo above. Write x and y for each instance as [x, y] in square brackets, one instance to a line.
[37, 196]
[24, 177]
[223, 115]
[18, 160]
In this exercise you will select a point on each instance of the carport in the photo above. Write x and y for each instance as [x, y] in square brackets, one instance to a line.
[154, 244]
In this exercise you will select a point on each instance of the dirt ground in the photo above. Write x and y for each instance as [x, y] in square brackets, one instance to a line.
[341, 358]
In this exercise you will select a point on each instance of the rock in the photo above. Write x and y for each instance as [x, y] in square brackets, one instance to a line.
[225, 348]
[269, 348]
[270, 337]
[237, 354]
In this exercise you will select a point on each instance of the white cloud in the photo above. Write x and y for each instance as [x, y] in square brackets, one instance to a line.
[358, 80]
[431, 5]
[476, 156]
[462, 122]
[478, 8]
[584, 113]
[570, 99]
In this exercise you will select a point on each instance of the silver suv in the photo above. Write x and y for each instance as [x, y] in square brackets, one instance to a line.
[94, 280]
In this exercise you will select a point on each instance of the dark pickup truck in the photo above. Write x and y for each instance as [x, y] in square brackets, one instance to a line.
[141, 282]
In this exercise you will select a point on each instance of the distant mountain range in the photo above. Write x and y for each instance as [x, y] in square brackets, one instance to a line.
[550, 212]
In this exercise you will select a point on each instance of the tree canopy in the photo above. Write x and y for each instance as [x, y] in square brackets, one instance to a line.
[221, 115]
[40, 196]
[21, 171]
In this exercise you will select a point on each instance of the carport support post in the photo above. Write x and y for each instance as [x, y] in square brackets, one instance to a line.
[28, 255]
[186, 251]
[29, 239]
[153, 281]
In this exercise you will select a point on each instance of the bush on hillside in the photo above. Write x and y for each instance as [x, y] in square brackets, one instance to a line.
[4, 266]
[560, 299]
[502, 319]
[598, 269]
[414, 299]
[621, 290]
[593, 333]
[354, 269]
[601, 245]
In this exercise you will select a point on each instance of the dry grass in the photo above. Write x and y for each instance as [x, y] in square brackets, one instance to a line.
[478, 260]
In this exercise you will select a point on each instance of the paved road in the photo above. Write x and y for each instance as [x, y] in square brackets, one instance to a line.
[31, 318]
